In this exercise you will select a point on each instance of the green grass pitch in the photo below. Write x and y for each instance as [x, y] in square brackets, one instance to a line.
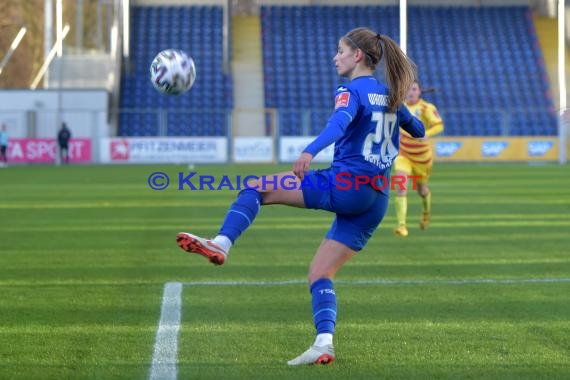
[85, 252]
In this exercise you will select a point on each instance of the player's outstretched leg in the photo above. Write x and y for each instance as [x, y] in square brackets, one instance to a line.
[205, 247]
[315, 355]
[238, 218]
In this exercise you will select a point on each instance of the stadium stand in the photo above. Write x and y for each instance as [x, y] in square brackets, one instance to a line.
[201, 112]
[485, 62]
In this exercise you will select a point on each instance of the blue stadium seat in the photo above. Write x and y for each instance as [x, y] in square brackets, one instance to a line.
[497, 70]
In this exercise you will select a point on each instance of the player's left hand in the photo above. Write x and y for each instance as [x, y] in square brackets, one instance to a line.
[302, 165]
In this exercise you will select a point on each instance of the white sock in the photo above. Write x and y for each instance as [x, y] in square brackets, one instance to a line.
[323, 340]
[223, 242]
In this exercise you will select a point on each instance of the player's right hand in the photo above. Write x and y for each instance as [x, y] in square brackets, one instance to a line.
[302, 165]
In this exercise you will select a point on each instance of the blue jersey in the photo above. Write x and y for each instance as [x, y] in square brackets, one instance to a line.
[366, 134]
[3, 138]
[367, 139]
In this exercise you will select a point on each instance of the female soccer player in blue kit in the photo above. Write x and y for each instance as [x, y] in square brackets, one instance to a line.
[365, 129]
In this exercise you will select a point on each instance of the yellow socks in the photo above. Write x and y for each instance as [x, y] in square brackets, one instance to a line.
[426, 203]
[401, 209]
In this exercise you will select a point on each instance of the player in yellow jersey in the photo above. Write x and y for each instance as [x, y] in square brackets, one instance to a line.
[416, 158]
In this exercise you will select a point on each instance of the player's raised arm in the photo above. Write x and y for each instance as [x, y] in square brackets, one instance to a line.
[410, 123]
[346, 107]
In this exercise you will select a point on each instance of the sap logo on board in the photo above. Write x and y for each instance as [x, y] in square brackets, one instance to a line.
[539, 148]
[493, 148]
[447, 148]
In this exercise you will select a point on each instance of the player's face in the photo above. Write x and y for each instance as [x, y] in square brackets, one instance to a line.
[414, 93]
[345, 59]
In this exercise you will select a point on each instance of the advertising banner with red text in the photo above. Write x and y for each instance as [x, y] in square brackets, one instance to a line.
[176, 150]
[40, 151]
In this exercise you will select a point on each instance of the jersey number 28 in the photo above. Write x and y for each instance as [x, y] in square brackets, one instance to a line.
[378, 146]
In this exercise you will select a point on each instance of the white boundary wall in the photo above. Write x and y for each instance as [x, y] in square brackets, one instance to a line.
[35, 114]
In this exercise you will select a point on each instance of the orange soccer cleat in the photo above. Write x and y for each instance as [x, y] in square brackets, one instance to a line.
[205, 247]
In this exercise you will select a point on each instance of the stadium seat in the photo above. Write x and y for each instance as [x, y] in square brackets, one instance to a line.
[481, 71]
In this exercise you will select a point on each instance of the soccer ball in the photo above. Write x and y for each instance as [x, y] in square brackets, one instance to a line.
[172, 72]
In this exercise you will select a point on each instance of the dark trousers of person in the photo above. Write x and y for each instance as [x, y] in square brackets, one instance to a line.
[3, 157]
[64, 153]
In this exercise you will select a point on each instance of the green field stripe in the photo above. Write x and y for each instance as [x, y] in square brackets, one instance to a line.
[284, 226]
[495, 223]
[307, 218]
[224, 203]
[112, 204]
[81, 187]
[78, 282]
[504, 236]
[538, 200]
[476, 260]
[166, 223]
[459, 262]
[174, 227]
[300, 281]
[493, 216]
[387, 282]
[73, 329]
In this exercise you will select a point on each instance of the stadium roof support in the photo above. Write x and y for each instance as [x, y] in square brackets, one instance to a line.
[48, 60]
[404, 25]
[13, 47]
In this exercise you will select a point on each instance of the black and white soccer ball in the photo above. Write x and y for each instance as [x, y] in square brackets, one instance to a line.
[172, 72]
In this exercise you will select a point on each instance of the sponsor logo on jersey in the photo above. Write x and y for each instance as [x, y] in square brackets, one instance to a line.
[341, 100]
[378, 99]
[447, 148]
[539, 148]
[493, 148]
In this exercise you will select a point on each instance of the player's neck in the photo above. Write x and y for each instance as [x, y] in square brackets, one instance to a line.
[360, 72]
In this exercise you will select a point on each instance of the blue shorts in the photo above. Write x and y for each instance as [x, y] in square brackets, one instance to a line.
[358, 211]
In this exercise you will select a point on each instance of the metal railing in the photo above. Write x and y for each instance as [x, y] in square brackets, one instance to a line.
[310, 121]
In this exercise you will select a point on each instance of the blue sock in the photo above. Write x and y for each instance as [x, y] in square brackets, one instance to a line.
[241, 214]
[324, 305]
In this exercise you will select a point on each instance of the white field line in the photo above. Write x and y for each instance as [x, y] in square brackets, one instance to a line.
[165, 356]
[165, 353]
